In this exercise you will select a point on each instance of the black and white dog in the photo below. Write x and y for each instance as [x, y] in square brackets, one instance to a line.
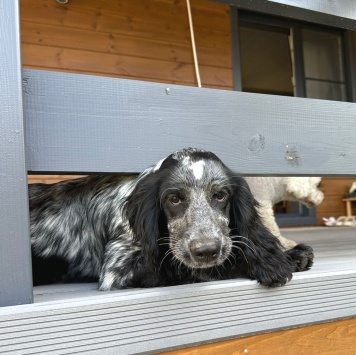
[187, 219]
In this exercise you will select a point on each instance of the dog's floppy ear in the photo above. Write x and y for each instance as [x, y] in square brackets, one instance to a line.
[143, 212]
[260, 250]
[243, 214]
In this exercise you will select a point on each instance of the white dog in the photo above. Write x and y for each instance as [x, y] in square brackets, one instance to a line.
[270, 190]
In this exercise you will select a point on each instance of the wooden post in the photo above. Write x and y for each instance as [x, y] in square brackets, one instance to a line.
[15, 257]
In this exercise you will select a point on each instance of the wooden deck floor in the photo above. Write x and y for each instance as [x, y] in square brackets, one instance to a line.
[335, 247]
[77, 319]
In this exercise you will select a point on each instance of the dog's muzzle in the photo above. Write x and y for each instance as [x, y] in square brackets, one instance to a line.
[314, 200]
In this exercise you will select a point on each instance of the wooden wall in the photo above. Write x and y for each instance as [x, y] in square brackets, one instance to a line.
[334, 190]
[144, 40]
[135, 39]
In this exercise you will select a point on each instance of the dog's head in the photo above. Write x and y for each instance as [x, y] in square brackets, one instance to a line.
[191, 203]
[304, 189]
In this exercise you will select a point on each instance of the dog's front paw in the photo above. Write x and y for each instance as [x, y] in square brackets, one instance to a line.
[302, 257]
[274, 280]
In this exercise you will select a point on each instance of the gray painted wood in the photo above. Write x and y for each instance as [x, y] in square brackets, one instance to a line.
[178, 316]
[337, 13]
[81, 123]
[15, 264]
[148, 321]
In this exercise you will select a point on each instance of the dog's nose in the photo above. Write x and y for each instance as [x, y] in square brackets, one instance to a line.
[204, 252]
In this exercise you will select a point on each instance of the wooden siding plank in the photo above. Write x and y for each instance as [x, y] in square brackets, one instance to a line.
[114, 76]
[166, 12]
[123, 66]
[128, 39]
[334, 190]
[158, 8]
[332, 206]
[141, 24]
[79, 123]
[50, 179]
[202, 4]
[337, 186]
[78, 39]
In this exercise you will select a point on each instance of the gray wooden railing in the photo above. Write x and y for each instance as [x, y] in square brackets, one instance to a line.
[79, 124]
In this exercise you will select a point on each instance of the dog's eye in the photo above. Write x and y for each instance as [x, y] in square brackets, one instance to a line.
[220, 196]
[175, 200]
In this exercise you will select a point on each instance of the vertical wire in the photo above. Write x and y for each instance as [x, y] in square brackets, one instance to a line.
[193, 44]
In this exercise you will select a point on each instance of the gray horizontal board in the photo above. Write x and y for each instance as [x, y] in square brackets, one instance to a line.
[79, 123]
[336, 13]
[181, 307]
[162, 319]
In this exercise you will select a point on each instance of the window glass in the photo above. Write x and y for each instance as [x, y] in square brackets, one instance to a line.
[266, 65]
[323, 65]
[318, 89]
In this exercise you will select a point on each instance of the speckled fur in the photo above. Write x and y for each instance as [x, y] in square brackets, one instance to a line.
[144, 231]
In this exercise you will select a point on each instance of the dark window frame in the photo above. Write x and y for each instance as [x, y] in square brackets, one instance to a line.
[348, 47]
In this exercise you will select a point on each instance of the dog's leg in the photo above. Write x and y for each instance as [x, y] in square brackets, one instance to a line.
[266, 213]
[124, 266]
[115, 272]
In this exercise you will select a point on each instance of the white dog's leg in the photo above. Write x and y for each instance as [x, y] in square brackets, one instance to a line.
[287, 243]
[266, 212]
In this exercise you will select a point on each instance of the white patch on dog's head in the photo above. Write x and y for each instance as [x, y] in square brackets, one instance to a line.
[198, 169]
